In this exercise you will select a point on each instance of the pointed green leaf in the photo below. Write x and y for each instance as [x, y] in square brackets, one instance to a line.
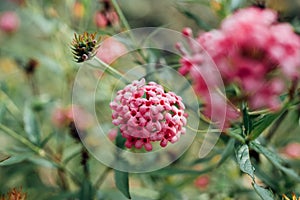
[243, 159]
[31, 125]
[275, 160]
[15, 159]
[122, 182]
[264, 194]
[260, 126]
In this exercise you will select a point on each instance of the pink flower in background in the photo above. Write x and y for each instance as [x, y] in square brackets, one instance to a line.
[146, 113]
[9, 22]
[202, 182]
[100, 20]
[292, 150]
[106, 16]
[251, 50]
[110, 49]
[62, 117]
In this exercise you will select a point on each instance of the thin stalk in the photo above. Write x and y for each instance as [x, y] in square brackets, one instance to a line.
[259, 112]
[102, 177]
[23, 140]
[105, 67]
[128, 28]
[123, 19]
[236, 136]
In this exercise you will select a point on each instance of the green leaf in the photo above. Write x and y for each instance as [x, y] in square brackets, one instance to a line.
[15, 159]
[86, 191]
[247, 122]
[196, 18]
[2, 111]
[31, 125]
[228, 151]
[120, 140]
[261, 125]
[275, 160]
[264, 194]
[122, 182]
[41, 162]
[243, 159]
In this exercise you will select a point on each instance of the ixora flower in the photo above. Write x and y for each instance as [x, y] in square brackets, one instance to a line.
[146, 113]
[252, 51]
[84, 46]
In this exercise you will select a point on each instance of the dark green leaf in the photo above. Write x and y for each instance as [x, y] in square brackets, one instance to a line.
[228, 151]
[275, 160]
[120, 140]
[247, 122]
[243, 159]
[264, 194]
[86, 191]
[122, 182]
[262, 124]
[31, 125]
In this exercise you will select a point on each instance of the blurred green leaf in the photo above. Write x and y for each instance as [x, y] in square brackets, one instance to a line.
[31, 125]
[243, 159]
[228, 151]
[122, 182]
[275, 160]
[263, 193]
[86, 191]
[41, 162]
[15, 159]
[195, 17]
[2, 111]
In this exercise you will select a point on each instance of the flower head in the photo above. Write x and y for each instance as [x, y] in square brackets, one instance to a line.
[252, 51]
[84, 46]
[146, 113]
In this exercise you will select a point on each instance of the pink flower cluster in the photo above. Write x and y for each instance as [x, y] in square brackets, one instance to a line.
[146, 113]
[251, 50]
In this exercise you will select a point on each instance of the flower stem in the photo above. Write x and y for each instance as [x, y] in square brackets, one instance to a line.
[23, 140]
[105, 67]
[102, 177]
[121, 15]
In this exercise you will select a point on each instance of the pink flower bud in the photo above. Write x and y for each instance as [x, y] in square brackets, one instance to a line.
[9, 22]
